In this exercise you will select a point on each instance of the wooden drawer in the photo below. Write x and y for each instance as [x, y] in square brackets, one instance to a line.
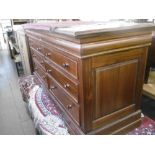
[64, 62]
[40, 72]
[36, 44]
[69, 86]
[39, 57]
[64, 99]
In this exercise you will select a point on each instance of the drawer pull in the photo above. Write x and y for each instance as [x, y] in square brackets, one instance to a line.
[38, 48]
[49, 71]
[69, 106]
[48, 54]
[66, 85]
[43, 77]
[65, 65]
[53, 87]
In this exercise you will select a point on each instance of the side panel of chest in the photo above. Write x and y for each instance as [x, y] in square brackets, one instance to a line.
[115, 87]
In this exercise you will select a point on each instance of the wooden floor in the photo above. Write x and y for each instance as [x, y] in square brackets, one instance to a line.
[14, 119]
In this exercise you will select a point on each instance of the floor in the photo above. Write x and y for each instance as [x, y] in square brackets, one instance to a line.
[14, 119]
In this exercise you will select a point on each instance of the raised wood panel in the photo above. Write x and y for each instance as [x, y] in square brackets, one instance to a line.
[115, 87]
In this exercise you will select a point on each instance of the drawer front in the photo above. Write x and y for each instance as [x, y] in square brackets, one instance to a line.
[40, 72]
[36, 44]
[64, 99]
[40, 58]
[64, 62]
[67, 84]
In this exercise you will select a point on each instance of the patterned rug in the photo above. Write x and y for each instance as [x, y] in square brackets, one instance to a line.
[48, 119]
[147, 127]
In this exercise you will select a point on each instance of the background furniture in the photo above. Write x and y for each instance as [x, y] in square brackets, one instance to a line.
[24, 51]
[94, 71]
[151, 59]
[20, 21]
[19, 50]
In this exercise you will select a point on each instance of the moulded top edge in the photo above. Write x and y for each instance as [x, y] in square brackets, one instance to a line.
[79, 31]
[83, 29]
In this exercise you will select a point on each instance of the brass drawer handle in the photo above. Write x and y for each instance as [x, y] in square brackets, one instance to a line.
[66, 85]
[38, 48]
[48, 54]
[53, 87]
[65, 65]
[43, 77]
[69, 106]
[49, 71]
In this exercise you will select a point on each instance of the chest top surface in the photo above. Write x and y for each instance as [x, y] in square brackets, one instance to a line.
[81, 29]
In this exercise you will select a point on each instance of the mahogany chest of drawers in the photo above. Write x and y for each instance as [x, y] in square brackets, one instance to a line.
[94, 72]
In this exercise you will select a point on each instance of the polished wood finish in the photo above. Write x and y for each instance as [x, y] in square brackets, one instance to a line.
[95, 76]
[38, 56]
[70, 106]
[70, 86]
[69, 65]
[40, 72]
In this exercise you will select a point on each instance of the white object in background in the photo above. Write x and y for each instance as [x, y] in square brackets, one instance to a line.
[23, 49]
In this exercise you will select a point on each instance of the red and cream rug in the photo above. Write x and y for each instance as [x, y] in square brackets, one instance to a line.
[147, 127]
[48, 119]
